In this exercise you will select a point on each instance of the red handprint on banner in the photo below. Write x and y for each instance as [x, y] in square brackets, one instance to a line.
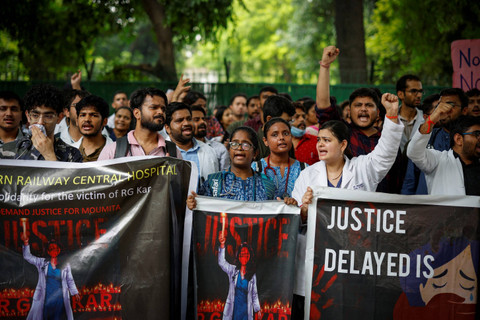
[320, 286]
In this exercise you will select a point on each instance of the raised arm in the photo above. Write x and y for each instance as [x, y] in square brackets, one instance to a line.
[330, 54]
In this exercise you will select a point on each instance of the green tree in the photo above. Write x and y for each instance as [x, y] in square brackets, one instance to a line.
[52, 35]
[414, 37]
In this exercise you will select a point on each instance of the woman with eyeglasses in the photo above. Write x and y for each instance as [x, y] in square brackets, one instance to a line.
[278, 165]
[240, 181]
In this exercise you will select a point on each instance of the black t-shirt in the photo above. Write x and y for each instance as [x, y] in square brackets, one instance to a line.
[471, 177]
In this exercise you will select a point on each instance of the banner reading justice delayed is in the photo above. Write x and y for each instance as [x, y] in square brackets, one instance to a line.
[381, 256]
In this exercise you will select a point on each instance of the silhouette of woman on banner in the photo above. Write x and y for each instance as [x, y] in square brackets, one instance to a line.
[242, 298]
[51, 299]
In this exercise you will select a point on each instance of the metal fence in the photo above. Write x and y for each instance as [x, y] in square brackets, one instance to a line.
[216, 93]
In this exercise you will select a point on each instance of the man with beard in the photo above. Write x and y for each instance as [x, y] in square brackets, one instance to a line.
[414, 182]
[179, 126]
[409, 91]
[364, 110]
[305, 144]
[148, 106]
[11, 106]
[92, 117]
[473, 103]
[200, 133]
[68, 129]
[455, 171]
[253, 111]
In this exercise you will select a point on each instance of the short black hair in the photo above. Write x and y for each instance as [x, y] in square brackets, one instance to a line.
[8, 95]
[461, 125]
[70, 95]
[251, 98]
[268, 89]
[96, 102]
[252, 135]
[338, 129]
[174, 107]
[236, 95]
[473, 92]
[308, 104]
[365, 92]
[119, 92]
[193, 96]
[456, 92]
[286, 95]
[402, 82]
[275, 106]
[138, 96]
[44, 95]
[271, 122]
[198, 108]
[427, 104]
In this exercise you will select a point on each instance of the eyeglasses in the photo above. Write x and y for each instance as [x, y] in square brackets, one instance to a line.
[415, 91]
[245, 145]
[475, 133]
[47, 117]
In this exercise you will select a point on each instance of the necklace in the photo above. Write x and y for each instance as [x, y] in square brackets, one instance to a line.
[337, 176]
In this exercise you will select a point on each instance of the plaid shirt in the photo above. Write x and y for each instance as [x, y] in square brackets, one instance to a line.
[361, 144]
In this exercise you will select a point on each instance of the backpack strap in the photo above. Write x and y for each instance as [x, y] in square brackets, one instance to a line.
[215, 183]
[259, 166]
[171, 148]
[122, 147]
[269, 186]
[302, 165]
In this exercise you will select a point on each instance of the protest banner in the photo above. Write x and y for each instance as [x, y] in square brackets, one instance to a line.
[466, 64]
[92, 241]
[382, 256]
[244, 258]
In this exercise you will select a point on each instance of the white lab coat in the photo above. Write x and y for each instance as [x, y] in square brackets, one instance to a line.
[68, 286]
[360, 173]
[443, 171]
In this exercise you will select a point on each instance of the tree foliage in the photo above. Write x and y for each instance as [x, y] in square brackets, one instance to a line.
[411, 36]
[52, 35]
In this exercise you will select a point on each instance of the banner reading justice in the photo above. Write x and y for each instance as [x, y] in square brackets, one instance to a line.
[90, 241]
[244, 258]
[379, 256]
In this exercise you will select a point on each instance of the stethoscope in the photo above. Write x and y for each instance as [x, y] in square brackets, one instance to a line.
[230, 192]
[277, 183]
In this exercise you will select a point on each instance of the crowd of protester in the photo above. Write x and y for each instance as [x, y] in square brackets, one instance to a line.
[266, 146]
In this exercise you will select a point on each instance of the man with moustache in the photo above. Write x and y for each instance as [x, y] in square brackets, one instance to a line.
[410, 92]
[455, 171]
[179, 126]
[305, 144]
[200, 133]
[148, 106]
[43, 105]
[364, 110]
[92, 117]
[473, 103]
[11, 106]
[68, 129]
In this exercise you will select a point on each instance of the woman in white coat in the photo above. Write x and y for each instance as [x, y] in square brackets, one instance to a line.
[360, 173]
[51, 299]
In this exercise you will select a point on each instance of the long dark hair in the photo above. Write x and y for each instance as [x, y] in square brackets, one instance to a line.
[251, 267]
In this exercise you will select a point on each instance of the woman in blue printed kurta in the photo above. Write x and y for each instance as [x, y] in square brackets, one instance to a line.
[278, 166]
[239, 182]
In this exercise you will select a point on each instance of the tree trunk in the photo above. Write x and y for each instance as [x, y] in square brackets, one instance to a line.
[351, 41]
[165, 66]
